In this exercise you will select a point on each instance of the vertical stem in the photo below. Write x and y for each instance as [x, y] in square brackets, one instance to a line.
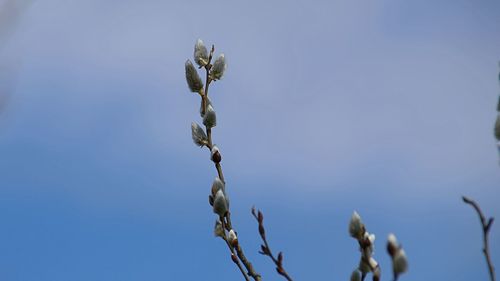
[486, 225]
[227, 223]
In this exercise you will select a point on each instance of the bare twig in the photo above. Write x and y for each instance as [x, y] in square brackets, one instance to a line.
[486, 225]
[237, 253]
[266, 250]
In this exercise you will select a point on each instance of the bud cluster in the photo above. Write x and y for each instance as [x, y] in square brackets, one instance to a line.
[218, 197]
[366, 241]
[203, 58]
[367, 263]
[214, 72]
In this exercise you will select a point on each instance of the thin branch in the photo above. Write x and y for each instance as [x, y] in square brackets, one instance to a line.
[486, 225]
[233, 256]
[236, 249]
[266, 250]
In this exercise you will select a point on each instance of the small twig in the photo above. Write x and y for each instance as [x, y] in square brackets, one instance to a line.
[486, 225]
[266, 250]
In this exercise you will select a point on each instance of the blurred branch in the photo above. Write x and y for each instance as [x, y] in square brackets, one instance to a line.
[486, 226]
[266, 250]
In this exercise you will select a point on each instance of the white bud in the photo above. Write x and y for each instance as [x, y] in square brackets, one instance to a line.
[217, 185]
[193, 79]
[220, 203]
[198, 135]
[218, 230]
[370, 237]
[200, 53]
[356, 227]
[218, 68]
[356, 275]
[392, 240]
[399, 262]
[392, 245]
[210, 119]
[231, 237]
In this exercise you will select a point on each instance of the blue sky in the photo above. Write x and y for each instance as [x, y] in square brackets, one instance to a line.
[384, 107]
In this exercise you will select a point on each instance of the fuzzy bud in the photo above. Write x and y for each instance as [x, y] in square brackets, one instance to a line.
[220, 204]
[217, 185]
[215, 154]
[210, 119]
[218, 230]
[193, 79]
[399, 263]
[232, 238]
[198, 135]
[218, 68]
[200, 53]
[356, 227]
[392, 245]
[356, 275]
[398, 255]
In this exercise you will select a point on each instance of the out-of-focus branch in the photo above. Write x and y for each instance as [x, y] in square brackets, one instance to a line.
[266, 250]
[367, 263]
[486, 226]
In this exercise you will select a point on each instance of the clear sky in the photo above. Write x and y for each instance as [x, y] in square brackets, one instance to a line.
[384, 107]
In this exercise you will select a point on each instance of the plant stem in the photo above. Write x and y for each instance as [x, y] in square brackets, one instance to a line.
[486, 225]
[227, 224]
[266, 250]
